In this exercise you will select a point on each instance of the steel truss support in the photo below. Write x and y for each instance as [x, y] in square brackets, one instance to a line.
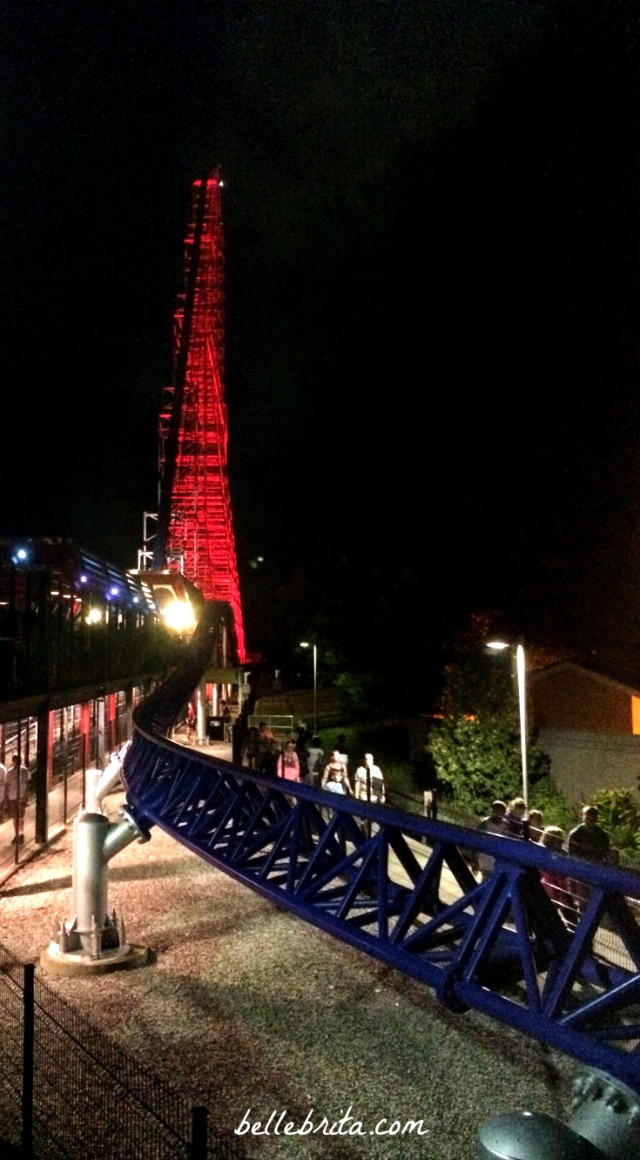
[407, 895]
[195, 528]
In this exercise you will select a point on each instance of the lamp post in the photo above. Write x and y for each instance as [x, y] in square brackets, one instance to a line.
[499, 646]
[305, 644]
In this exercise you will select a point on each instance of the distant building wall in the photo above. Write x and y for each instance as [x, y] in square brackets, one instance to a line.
[574, 699]
[584, 762]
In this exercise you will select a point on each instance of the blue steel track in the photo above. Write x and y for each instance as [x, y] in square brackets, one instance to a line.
[399, 888]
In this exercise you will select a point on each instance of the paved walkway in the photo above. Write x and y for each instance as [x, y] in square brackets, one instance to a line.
[63, 805]
[454, 1070]
[609, 946]
[10, 856]
[243, 1005]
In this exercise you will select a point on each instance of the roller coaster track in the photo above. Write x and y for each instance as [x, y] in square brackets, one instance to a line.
[399, 888]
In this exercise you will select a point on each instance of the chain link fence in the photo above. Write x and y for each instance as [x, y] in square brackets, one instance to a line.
[67, 1091]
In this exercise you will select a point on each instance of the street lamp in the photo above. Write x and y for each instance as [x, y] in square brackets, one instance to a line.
[499, 646]
[305, 644]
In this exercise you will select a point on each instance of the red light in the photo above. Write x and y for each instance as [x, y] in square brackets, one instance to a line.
[200, 531]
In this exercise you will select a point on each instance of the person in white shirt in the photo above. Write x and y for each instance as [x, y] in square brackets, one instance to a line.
[16, 796]
[315, 761]
[369, 781]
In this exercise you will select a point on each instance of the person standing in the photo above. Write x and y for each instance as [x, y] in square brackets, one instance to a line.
[336, 765]
[191, 720]
[515, 818]
[227, 720]
[315, 761]
[588, 840]
[16, 796]
[251, 751]
[301, 743]
[494, 823]
[266, 741]
[289, 763]
[268, 758]
[342, 751]
[536, 828]
[369, 781]
[336, 781]
[555, 884]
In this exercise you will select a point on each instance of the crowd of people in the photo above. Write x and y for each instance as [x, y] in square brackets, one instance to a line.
[302, 758]
[586, 840]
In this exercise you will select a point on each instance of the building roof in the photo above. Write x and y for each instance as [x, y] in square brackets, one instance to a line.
[603, 673]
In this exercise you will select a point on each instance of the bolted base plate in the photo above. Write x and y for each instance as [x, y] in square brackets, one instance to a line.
[68, 963]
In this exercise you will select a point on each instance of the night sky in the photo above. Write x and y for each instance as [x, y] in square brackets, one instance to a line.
[433, 267]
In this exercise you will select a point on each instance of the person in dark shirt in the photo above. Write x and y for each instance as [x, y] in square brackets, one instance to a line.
[251, 749]
[268, 758]
[494, 823]
[227, 720]
[536, 829]
[589, 840]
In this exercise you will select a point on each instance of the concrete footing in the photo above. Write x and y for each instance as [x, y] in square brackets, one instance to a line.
[125, 958]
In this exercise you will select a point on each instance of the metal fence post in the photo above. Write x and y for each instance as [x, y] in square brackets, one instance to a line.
[28, 1022]
[199, 1133]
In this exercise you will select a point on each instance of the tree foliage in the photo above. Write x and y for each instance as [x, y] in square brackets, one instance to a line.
[476, 746]
[479, 760]
[356, 692]
[619, 815]
[555, 809]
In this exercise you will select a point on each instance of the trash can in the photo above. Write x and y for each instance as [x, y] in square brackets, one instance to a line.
[215, 729]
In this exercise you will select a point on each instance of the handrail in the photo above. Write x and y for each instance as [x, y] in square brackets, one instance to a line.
[399, 887]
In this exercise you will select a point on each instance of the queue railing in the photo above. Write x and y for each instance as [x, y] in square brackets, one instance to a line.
[401, 888]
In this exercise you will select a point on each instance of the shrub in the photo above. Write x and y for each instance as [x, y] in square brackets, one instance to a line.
[619, 815]
[556, 810]
[478, 760]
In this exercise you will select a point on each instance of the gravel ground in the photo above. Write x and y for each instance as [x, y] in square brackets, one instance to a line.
[244, 1006]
